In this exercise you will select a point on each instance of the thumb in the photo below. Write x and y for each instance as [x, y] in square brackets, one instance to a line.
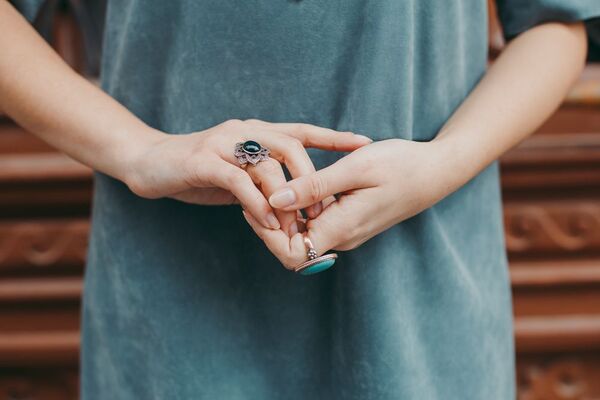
[309, 189]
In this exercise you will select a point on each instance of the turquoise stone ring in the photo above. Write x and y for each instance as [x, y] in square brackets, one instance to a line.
[315, 264]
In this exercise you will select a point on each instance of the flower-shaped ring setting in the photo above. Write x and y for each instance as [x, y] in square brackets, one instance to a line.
[251, 152]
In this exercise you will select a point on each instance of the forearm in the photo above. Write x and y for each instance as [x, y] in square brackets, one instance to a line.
[44, 95]
[520, 90]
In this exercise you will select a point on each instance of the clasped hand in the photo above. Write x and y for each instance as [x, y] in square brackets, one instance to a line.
[374, 187]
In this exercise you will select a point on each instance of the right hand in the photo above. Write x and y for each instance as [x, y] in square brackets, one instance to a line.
[200, 167]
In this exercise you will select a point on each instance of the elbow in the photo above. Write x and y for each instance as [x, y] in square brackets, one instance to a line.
[569, 41]
[575, 45]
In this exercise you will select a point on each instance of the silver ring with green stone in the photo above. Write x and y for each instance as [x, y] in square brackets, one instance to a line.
[315, 264]
[251, 152]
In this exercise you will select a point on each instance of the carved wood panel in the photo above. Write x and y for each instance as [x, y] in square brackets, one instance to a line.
[559, 377]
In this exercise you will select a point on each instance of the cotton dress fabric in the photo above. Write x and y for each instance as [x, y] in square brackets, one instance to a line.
[185, 302]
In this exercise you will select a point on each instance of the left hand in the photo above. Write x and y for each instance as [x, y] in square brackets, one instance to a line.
[380, 185]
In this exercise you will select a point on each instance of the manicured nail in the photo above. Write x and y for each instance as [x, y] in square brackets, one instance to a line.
[293, 229]
[282, 198]
[273, 221]
[365, 137]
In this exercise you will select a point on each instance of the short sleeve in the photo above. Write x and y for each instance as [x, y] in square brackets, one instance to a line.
[516, 16]
[29, 8]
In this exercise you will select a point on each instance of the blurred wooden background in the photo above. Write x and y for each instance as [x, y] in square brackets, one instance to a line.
[551, 186]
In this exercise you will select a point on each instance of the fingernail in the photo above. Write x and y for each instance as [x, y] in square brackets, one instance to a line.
[282, 198]
[317, 208]
[273, 221]
[293, 229]
[365, 137]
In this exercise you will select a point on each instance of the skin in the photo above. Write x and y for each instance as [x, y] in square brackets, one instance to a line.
[37, 87]
[519, 91]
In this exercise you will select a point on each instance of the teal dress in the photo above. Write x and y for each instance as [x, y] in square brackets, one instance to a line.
[185, 302]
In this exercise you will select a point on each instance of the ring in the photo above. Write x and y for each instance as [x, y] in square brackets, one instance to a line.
[250, 152]
[315, 264]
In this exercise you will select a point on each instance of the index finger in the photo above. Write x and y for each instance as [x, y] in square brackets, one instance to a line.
[313, 136]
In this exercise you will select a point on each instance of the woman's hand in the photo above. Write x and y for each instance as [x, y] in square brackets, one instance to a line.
[380, 184]
[103, 134]
[201, 167]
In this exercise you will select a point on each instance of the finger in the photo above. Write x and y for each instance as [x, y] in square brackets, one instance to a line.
[293, 155]
[290, 251]
[239, 183]
[346, 222]
[318, 137]
[327, 202]
[269, 176]
[334, 226]
[343, 175]
[286, 149]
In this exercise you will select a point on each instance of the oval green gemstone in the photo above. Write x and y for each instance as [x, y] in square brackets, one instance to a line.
[251, 147]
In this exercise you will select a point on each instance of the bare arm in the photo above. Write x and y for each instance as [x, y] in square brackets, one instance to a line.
[44, 95]
[521, 89]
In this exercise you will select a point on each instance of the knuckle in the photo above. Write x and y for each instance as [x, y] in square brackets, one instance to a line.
[296, 146]
[210, 140]
[299, 129]
[232, 123]
[316, 188]
[269, 167]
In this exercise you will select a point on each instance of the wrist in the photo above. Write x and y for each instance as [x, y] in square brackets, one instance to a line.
[455, 164]
[132, 153]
